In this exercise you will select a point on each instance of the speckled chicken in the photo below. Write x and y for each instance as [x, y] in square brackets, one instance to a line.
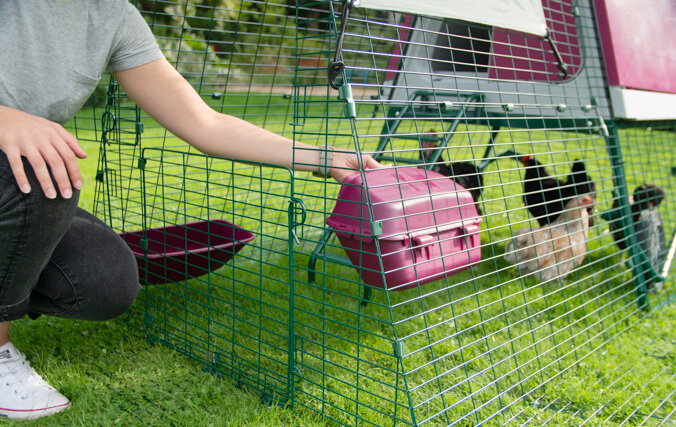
[553, 251]
[645, 197]
[648, 225]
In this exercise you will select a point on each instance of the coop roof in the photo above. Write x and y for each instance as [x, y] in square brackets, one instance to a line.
[520, 15]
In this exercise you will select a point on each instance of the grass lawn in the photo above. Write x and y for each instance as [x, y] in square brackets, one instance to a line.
[115, 377]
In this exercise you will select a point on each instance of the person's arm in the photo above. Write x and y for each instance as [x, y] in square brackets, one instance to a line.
[43, 143]
[167, 97]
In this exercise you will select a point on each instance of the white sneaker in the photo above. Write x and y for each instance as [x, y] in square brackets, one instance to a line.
[23, 393]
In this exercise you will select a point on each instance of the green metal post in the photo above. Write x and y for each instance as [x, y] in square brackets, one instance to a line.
[296, 206]
[610, 133]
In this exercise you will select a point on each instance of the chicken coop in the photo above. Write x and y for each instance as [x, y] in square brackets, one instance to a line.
[522, 221]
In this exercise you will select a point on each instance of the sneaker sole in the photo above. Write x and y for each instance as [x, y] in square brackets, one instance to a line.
[32, 414]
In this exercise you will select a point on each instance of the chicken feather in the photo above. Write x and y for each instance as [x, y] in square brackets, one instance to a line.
[545, 196]
[552, 251]
[466, 174]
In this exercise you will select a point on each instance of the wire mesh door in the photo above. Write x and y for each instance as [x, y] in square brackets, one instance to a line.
[220, 232]
[213, 256]
[515, 127]
[212, 249]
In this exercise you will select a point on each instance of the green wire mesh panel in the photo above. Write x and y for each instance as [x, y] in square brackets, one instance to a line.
[211, 235]
[236, 317]
[486, 344]
[216, 232]
[211, 231]
[240, 57]
[312, 305]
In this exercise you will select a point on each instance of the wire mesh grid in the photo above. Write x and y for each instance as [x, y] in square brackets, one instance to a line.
[470, 348]
[430, 323]
[633, 396]
[200, 214]
[186, 215]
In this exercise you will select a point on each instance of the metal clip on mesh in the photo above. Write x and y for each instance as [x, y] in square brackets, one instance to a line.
[336, 66]
[108, 124]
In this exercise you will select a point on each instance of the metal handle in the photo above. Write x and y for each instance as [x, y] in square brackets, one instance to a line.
[562, 66]
[108, 124]
[336, 66]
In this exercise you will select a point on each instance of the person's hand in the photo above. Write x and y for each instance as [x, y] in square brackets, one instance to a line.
[345, 164]
[44, 144]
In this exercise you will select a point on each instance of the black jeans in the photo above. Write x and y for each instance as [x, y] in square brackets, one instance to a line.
[58, 260]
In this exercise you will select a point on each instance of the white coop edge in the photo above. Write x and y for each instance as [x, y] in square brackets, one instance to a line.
[520, 15]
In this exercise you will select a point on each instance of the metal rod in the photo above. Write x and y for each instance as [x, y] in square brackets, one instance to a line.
[562, 66]
[336, 66]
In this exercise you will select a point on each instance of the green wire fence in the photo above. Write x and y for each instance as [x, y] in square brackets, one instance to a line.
[394, 299]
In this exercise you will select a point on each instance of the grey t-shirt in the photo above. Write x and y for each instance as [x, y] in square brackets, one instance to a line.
[52, 52]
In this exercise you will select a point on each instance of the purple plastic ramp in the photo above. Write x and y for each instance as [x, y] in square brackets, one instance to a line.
[181, 252]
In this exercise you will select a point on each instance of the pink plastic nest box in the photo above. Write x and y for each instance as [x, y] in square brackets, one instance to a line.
[425, 225]
[180, 252]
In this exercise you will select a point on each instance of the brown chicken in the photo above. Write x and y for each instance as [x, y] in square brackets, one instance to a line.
[553, 251]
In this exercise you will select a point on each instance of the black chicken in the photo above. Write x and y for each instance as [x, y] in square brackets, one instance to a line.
[645, 197]
[545, 197]
[464, 174]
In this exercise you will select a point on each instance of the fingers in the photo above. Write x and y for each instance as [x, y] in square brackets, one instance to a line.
[371, 163]
[19, 173]
[59, 158]
[42, 174]
[346, 164]
[47, 147]
[69, 157]
[63, 165]
[68, 153]
[72, 142]
[46, 151]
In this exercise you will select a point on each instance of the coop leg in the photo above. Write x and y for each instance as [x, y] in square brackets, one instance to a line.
[610, 133]
[312, 263]
[491, 145]
[367, 295]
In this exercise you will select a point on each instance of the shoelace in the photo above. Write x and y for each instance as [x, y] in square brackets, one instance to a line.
[21, 377]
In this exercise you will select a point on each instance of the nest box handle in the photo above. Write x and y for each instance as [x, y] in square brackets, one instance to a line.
[336, 66]
[423, 244]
